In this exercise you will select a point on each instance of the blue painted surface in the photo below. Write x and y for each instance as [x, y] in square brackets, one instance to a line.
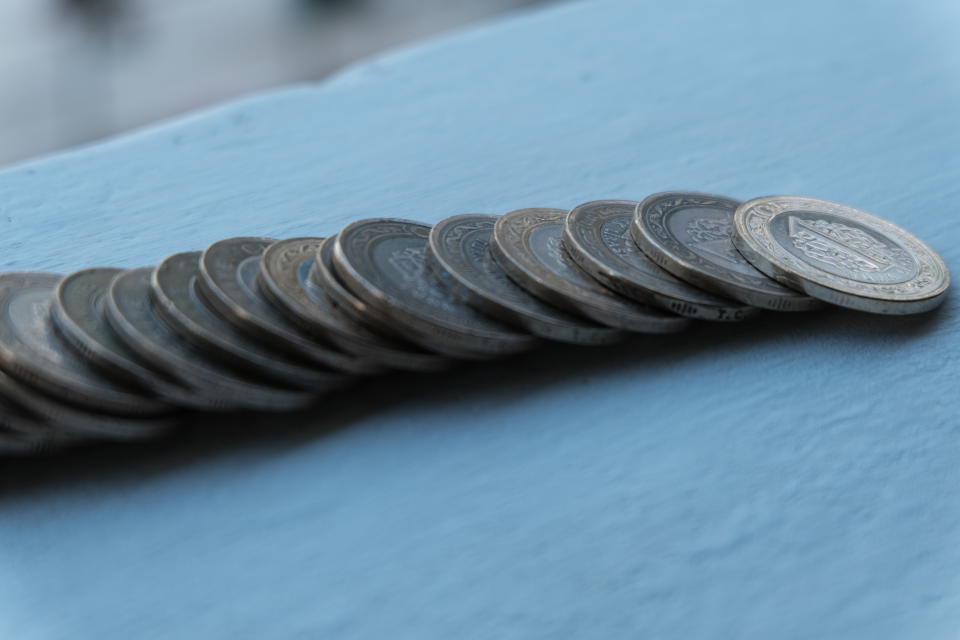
[794, 477]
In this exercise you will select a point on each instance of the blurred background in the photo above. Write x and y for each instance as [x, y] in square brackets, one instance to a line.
[73, 71]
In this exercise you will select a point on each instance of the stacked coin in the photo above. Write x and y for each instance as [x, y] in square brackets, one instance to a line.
[264, 324]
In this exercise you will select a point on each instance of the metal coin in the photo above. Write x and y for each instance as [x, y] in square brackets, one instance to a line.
[459, 255]
[31, 350]
[132, 315]
[179, 302]
[841, 255]
[69, 424]
[324, 276]
[228, 280]
[383, 262]
[285, 269]
[78, 312]
[22, 433]
[527, 244]
[597, 237]
[691, 236]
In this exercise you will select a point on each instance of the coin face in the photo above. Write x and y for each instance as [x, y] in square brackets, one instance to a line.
[285, 269]
[383, 262]
[459, 255]
[179, 302]
[691, 236]
[228, 279]
[841, 255]
[31, 351]
[78, 312]
[527, 244]
[133, 316]
[597, 237]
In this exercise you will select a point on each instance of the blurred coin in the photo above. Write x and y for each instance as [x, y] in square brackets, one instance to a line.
[132, 315]
[691, 236]
[527, 244]
[459, 255]
[69, 424]
[78, 312]
[285, 280]
[178, 301]
[22, 433]
[597, 237]
[31, 351]
[228, 280]
[841, 255]
[382, 261]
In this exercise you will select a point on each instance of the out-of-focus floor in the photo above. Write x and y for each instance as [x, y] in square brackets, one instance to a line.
[72, 72]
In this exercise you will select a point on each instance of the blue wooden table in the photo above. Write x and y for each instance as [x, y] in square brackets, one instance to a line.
[793, 477]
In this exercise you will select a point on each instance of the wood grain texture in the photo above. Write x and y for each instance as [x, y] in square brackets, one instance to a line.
[793, 477]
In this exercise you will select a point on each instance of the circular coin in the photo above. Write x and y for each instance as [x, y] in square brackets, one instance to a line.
[691, 236]
[228, 280]
[31, 350]
[131, 313]
[526, 243]
[383, 262]
[78, 312]
[23, 433]
[68, 424]
[597, 237]
[459, 256]
[179, 302]
[841, 255]
[285, 269]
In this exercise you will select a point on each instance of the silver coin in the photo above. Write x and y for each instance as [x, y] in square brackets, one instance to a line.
[527, 244]
[22, 433]
[459, 256]
[325, 277]
[383, 262]
[131, 313]
[597, 237]
[841, 255]
[691, 236]
[78, 312]
[285, 269]
[70, 424]
[30, 350]
[228, 279]
[179, 302]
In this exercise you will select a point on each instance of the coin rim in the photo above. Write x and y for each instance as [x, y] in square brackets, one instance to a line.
[685, 264]
[754, 240]
[527, 271]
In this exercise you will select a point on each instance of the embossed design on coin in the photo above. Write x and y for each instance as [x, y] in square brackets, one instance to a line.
[32, 351]
[382, 261]
[597, 237]
[527, 244]
[459, 255]
[691, 236]
[841, 255]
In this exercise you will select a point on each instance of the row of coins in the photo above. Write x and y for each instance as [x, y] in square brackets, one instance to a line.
[256, 323]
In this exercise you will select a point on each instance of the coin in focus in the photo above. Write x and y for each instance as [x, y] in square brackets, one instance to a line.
[285, 280]
[527, 244]
[691, 235]
[383, 262]
[459, 256]
[841, 255]
[597, 237]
